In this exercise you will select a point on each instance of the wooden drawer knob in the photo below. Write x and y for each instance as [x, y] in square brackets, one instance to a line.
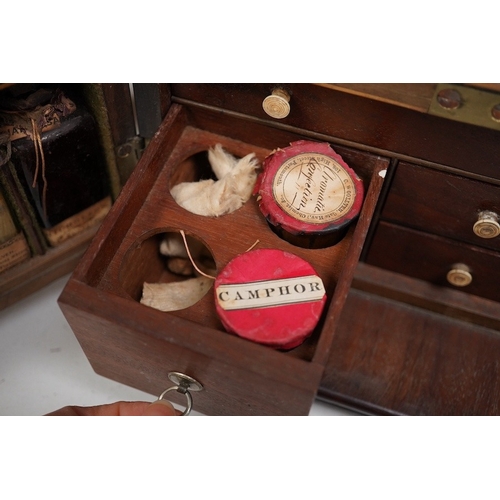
[459, 275]
[487, 225]
[277, 105]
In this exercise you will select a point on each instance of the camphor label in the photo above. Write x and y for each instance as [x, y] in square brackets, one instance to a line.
[270, 293]
[313, 188]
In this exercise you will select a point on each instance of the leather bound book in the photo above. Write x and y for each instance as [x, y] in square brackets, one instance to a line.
[22, 209]
[13, 246]
[59, 163]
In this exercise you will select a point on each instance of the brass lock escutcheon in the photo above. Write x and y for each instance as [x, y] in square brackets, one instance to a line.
[459, 275]
[487, 225]
[466, 104]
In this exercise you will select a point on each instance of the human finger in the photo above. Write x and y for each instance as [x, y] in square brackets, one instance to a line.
[119, 409]
[160, 408]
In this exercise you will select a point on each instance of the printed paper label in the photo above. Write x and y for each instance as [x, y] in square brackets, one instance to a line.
[314, 188]
[270, 293]
[13, 252]
[78, 222]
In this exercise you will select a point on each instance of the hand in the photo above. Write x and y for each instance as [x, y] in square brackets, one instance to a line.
[119, 409]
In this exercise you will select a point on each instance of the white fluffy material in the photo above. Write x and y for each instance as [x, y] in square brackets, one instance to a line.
[175, 296]
[236, 180]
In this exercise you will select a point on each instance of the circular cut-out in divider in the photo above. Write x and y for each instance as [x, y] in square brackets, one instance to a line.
[215, 182]
[158, 272]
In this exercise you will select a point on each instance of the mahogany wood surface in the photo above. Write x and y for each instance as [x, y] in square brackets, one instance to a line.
[390, 358]
[428, 257]
[440, 203]
[417, 96]
[405, 342]
[120, 336]
[447, 301]
[139, 349]
[401, 341]
[371, 123]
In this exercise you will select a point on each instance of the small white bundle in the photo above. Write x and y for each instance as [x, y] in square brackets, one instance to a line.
[179, 262]
[175, 296]
[178, 295]
[236, 180]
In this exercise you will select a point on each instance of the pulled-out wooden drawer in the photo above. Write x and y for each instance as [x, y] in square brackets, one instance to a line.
[137, 345]
[440, 261]
[445, 204]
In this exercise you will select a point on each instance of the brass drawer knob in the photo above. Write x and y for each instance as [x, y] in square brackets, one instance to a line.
[487, 225]
[277, 105]
[459, 275]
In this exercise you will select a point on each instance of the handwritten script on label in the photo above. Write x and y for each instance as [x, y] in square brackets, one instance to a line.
[314, 188]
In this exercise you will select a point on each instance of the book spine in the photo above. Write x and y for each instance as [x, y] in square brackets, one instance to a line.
[7, 227]
[14, 248]
[59, 165]
[22, 210]
[70, 174]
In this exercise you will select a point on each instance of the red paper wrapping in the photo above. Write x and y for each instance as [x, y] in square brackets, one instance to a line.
[307, 189]
[270, 297]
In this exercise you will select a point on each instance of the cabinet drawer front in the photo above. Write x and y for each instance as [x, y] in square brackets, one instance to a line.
[442, 204]
[431, 258]
[320, 109]
[397, 359]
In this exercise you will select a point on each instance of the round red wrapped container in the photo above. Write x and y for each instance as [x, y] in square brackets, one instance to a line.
[269, 296]
[308, 194]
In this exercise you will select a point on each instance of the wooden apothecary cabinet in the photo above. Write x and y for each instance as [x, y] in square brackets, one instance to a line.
[394, 339]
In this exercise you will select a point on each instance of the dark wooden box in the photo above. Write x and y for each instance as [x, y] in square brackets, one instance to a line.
[387, 342]
[138, 345]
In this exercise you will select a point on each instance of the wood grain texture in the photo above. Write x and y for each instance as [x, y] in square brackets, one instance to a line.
[137, 345]
[440, 203]
[429, 258]
[390, 358]
[447, 301]
[239, 378]
[416, 96]
[391, 130]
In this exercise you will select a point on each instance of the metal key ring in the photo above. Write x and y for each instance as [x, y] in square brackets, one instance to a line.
[184, 383]
[189, 398]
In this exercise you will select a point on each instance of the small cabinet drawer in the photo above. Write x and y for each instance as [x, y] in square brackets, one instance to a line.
[138, 345]
[445, 205]
[440, 261]
[326, 109]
